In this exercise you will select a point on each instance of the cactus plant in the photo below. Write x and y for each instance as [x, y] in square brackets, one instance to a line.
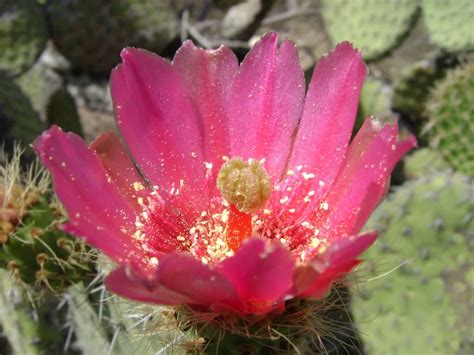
[450, 24]
[29, 329]
[37, 253]
[39, 83]
[450, 112]
[18, 120]
[372, 25]
[415, 47]
[119, 326]
[49, 97]
[91, 337]
[411, 304]
[23, 35]
[108, 324]
[40, 255]
[375, 101]
[411, 89]
[422, 162]
[61, 110]
[91, 34]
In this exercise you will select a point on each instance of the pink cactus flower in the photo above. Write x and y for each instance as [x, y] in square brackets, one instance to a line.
[235, 189]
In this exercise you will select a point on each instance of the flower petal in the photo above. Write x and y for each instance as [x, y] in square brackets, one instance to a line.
[123, 283]
[209, 76]
[118, 246]
[319, 285]
[329, 113]
[316, 277]
[267, 103]
[261, 272]
[95, 205]
[188, 276]
[363, 180]
[159, 124]
[119, 167]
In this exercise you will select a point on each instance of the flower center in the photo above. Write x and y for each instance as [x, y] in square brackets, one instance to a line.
[246, 186]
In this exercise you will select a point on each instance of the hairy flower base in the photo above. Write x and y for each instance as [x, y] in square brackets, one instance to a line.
[304, 325]
[154, 206]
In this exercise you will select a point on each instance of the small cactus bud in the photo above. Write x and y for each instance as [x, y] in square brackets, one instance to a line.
[41, 258]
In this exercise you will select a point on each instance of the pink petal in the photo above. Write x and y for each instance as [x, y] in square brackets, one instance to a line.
[160, 237]
[118, 246]
[159, 124]
[95, 205]
[343, 250]
[209, 76]
[320, 284]
[188, 276]
[315, 278]
[123, 283]
[363, 181]
[267, 103]
[261, 272]
[119, 167]
[329, 113]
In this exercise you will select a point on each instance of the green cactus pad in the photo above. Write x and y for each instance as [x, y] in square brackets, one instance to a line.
[106, 323]
[373, 26]
[450, 111]
[30, 329]
[374, 101]
[39, 83]
[424, 161]
[450, 23]
[18, 120]
[62, 111]
[91, 337]
[414, 48]
[23, 35]
[41, 256]
[412, 87]
[91, 34]
[414, 299]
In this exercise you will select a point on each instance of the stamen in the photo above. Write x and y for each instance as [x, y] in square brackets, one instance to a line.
[246, 186]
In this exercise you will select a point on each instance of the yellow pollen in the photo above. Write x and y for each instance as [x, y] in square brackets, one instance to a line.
[314, 242]
[138, 186]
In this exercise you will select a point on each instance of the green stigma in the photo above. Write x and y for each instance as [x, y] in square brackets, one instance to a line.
[244, 184]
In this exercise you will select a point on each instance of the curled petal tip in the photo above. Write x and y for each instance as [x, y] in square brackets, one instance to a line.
[347, 46]
[411, 139]
[39, 143]
[271, 37]
[129, 53]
